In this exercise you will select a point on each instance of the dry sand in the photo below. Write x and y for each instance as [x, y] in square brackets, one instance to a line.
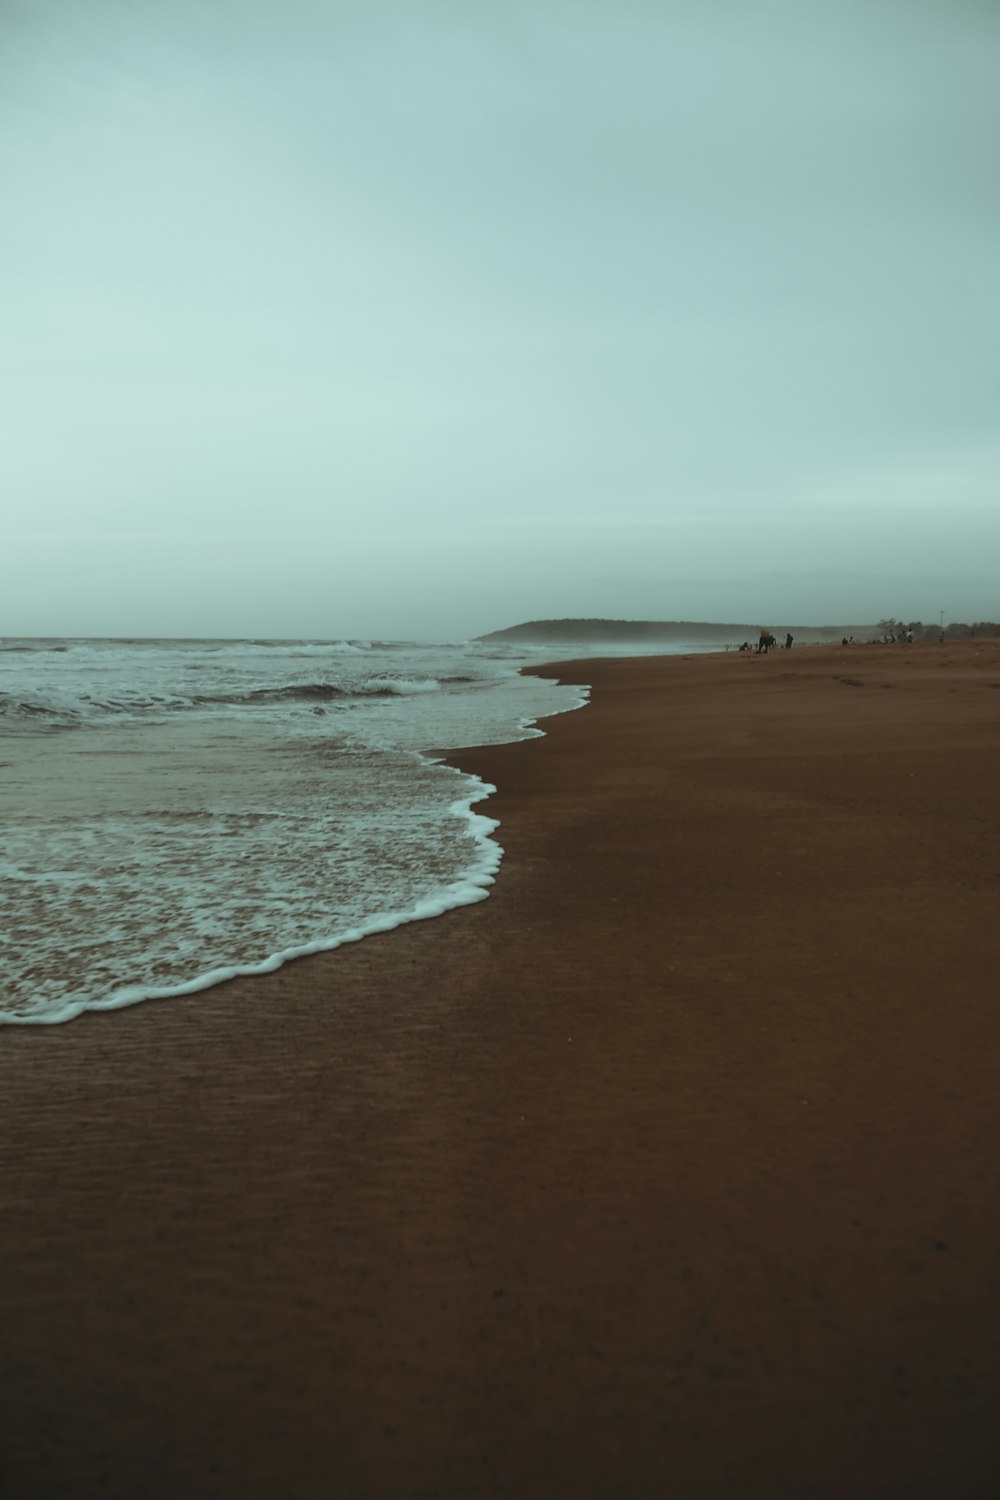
[670, 1170]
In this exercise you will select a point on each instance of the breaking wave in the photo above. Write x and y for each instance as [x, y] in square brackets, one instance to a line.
[62, 708]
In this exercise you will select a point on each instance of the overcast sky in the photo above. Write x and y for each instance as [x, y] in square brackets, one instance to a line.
[342, 317]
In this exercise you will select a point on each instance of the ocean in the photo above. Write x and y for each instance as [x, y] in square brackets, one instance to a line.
[176, 812]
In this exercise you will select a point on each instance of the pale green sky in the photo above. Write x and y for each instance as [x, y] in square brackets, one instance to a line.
[419, 319]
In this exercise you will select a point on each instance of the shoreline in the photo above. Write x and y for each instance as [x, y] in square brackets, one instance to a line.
[462, 885]
[666, 1169]
[471, 886]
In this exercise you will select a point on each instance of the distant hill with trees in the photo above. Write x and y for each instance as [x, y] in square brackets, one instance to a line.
[635, 632]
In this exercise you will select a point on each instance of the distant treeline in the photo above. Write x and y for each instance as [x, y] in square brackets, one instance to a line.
[955, 631]
[609, 631]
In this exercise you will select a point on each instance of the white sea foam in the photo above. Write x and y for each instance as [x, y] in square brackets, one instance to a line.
[472, 886]
[210, 824]
[401, 685]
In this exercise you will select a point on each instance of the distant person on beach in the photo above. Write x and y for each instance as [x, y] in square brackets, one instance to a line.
[765, 643]
[788, 641]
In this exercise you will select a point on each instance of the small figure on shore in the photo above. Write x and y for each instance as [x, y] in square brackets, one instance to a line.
[766, 642]
[788, 641]
[745, 646]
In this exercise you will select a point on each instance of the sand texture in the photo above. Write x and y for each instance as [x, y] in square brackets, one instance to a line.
[673, 1169]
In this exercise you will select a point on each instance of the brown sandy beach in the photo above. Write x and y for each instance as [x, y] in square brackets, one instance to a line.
[671, 1169]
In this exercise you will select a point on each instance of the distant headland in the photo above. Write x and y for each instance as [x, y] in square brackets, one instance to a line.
[634, 632]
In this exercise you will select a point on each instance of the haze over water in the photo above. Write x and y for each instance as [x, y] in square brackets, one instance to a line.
[411, 321]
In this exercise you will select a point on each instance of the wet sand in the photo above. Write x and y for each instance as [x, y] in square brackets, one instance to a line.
[671, 1169]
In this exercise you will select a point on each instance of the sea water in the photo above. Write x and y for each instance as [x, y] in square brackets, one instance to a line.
[176, 812]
